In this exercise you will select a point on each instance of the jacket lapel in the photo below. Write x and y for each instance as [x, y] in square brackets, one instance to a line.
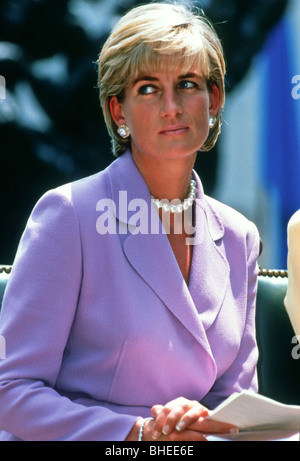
[209, 278]
[151, 255]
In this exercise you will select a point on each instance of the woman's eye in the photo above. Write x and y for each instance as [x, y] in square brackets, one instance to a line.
[186, 85]
[146, 89]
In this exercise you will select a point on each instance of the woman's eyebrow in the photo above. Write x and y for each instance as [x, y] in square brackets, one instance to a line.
[147, 78]
[151, 78]
[189, 75]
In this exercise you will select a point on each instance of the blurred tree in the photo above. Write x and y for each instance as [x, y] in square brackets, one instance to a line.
[51, 125]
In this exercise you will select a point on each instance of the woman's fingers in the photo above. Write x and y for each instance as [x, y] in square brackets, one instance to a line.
[184, 436]
[155, 410]
[174, 436]
[190, 417]
[182, 415]
[208, 426]
[178, 413]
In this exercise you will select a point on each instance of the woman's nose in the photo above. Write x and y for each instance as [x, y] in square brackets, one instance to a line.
[171, 105]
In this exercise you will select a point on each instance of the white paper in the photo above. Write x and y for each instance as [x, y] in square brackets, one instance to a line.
[257, 436]
[253, 412]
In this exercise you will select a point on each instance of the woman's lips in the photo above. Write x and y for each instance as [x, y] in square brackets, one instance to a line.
[174, 130]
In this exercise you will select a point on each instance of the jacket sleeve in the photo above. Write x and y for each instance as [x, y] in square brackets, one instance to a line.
[37, 313]
[243, 373]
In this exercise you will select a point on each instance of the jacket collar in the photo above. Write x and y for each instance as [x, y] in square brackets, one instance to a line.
[125, 177]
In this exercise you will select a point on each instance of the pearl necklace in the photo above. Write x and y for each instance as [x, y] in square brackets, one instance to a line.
[179, 208]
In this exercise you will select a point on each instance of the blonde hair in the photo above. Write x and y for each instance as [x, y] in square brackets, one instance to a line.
[142, 39]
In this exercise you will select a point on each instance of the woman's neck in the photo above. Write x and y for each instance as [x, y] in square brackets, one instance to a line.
[166, 179]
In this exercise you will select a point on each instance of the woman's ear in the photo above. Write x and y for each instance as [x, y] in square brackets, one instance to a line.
[116, 111]
[214, 97]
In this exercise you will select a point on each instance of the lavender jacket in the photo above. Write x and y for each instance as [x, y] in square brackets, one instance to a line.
[100, 327]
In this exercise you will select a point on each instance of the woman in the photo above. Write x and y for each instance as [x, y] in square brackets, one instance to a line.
[118, 323]
[292, 298]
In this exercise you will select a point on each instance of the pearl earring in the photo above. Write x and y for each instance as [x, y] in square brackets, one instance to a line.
[212, 121]
[123, 131]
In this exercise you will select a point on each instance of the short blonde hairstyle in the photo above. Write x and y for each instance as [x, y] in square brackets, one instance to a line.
[142, 39]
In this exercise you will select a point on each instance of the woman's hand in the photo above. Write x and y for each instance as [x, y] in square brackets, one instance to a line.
[182, 419]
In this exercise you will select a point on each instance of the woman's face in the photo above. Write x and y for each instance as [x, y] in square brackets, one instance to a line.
[167, 113]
